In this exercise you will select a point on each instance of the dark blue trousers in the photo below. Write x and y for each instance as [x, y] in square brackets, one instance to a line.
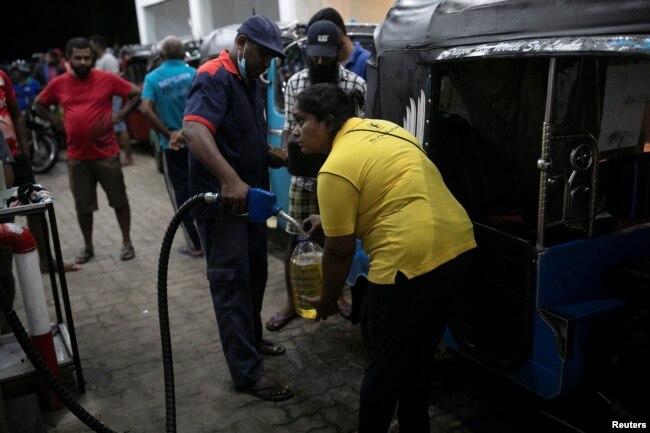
[236, 259]
[176, 178]
[406, 321]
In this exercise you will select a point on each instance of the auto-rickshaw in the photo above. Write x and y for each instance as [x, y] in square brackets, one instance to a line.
[538, 116]
[135, 63]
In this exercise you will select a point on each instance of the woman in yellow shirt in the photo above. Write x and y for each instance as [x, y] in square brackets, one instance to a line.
[378, 185]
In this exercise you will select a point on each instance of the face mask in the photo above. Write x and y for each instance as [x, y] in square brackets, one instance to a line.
[241, 62]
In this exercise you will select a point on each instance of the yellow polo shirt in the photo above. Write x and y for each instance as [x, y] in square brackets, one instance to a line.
[386, 191]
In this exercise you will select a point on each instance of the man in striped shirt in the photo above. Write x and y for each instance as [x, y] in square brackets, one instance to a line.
[323, 43]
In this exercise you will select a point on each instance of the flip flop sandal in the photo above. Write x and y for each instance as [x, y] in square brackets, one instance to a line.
[267, 389]
[71, 267]
[84, 255]
[345, 311]
[279, 321]
[67, 267]
[187, 251]
[127, 252]
[269, 348]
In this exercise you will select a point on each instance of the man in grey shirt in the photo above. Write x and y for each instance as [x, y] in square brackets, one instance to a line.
[106, 61]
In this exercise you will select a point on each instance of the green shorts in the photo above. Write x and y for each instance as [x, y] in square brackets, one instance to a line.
[84, 175]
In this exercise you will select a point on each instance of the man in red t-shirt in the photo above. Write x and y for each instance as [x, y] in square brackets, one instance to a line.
[12, 122]
[93, 152]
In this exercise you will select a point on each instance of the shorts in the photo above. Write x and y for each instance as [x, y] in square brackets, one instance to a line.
[84, 175]
[117, 106]
[303, 200]
[23, 172]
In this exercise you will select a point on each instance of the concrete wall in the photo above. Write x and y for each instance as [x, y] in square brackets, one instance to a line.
[159, 18]
[351, 10]
[226, 12]
[171, 17]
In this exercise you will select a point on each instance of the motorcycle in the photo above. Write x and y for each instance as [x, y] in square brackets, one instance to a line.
[44, 143]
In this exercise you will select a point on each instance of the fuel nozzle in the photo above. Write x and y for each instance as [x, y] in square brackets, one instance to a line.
[263, 204]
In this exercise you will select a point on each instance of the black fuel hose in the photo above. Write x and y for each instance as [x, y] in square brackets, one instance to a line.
[163, 312]
[43, 370]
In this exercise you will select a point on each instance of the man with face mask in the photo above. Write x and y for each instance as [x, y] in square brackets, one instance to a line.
[93, 153]
[225, 129]
[323, 43]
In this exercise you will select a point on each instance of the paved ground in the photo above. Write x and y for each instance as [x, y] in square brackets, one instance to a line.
[116, 318]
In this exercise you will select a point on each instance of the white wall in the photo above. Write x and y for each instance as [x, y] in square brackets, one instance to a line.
[225, 12]
[361, 11]
[159, 18]
[201, 13]
[171, 17]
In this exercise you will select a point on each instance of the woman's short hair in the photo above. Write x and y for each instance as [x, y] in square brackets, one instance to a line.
[325, 98]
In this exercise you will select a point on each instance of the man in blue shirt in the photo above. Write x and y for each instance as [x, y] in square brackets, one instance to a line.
[25, 86]
[225, 129]
[357, 61]
[163, 101]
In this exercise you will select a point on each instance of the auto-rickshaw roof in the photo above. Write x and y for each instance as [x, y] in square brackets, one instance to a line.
[451, 23]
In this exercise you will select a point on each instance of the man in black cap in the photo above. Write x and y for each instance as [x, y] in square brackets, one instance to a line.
[323, 43]
[225, 129]
[351, 55]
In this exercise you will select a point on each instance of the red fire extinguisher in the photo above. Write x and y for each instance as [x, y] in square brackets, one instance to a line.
[23, 246]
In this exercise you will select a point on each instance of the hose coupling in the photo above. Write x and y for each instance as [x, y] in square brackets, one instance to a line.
[211, 197]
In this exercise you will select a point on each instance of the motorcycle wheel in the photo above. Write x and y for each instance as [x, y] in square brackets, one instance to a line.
[45, 152]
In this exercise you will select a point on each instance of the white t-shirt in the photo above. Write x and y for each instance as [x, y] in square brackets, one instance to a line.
[108, 62]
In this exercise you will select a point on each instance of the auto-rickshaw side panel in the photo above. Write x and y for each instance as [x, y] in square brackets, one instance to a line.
[578, 303]
[400, 81]
[517, 101]
[492, 315]
[432, 24]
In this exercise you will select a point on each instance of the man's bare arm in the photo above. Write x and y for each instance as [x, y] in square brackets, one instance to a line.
[20, 125]
[201, 143]
[48, 115]
[131, 105]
